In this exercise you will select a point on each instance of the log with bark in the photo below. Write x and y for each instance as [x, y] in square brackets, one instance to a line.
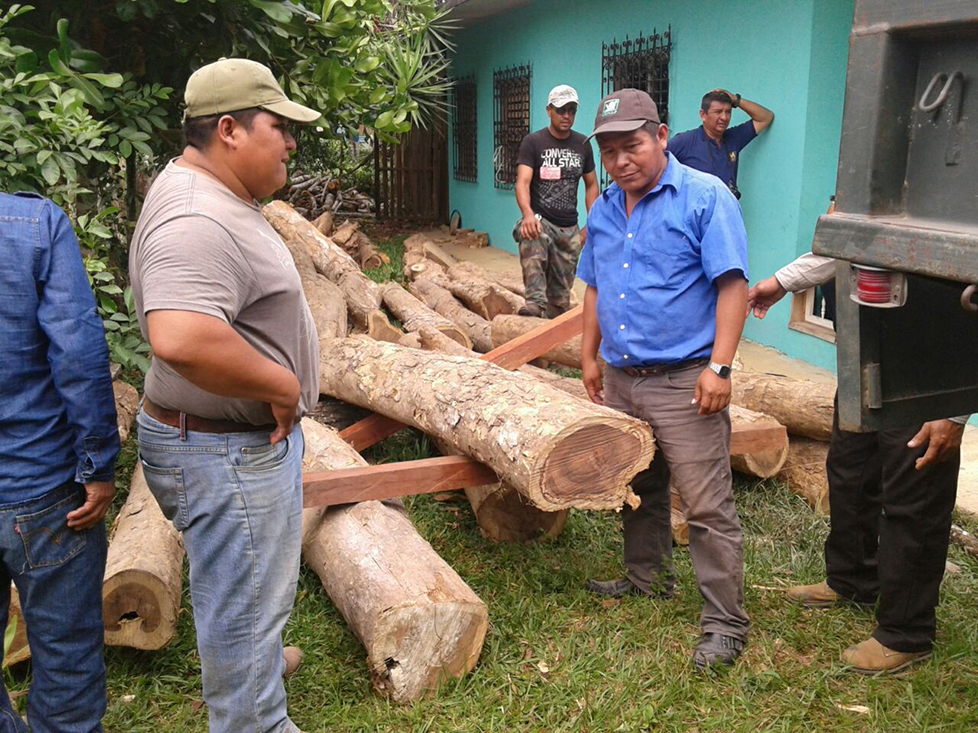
[965, 540]
[512, 281]
[414, 314]
[126, 407]
[416, 265]
[368, 255]
[680, 527]
[143, 573]
[363, 296]
[325, 299]
[417, 619]
[485, 298]
[762, 463]
[324, 223]
[804, 471]
[443, 302]
[502, 513]
[803, 407]
[430, 250]
[556, 450]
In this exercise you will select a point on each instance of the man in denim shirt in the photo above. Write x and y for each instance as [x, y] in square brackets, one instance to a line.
[58, 444]
[666, 267]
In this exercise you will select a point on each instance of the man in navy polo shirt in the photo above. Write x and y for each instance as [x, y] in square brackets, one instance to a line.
[666, 267]
[712, 148]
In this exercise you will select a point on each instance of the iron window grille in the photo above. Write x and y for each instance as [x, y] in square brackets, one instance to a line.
[510, 122]
[642, 63]
[464, 130]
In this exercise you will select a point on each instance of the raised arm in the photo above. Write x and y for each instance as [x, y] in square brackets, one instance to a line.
[760, 114]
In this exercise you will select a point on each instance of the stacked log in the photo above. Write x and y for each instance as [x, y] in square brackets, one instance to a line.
[126, 407]
[417, 619]
[414, 314]
[762, 463]
[443, 302]
[312, 196]
[804, 472]
[512, 281]
[505, 328]
[805, 408]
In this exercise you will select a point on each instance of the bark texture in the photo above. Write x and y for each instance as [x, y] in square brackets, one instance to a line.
[805, 408]
[143, 573]
[506, 328]
[414, 314]
[485, 298]
[556, 450]
[804, 471]
[430, 250]
[764, 463]
[512, 281]
[126, 407]
[417, 619]
[443, 302]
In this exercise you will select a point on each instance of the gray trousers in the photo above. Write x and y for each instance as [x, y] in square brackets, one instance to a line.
[693, 451]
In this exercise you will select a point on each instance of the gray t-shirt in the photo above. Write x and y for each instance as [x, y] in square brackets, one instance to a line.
[199, 247]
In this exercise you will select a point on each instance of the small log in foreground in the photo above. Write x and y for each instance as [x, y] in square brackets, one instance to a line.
[765, 461]
[417, 619]
[143, 573]
[804, 471]
[556, 450]
[803, 407]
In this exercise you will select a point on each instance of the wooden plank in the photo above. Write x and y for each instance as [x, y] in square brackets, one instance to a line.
[511, 355]
[746, 439]
[390, 480]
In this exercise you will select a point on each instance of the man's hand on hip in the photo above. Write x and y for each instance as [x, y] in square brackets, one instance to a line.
[284, 410]
[943, 438]
[712, 392]
[98, 496]
[530, 227]
[763, 295]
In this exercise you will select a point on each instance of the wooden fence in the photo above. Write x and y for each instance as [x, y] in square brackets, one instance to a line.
[411, 178]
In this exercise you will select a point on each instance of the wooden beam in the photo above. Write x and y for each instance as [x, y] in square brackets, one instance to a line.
[390, 480]
[746, 439]
[511, 355]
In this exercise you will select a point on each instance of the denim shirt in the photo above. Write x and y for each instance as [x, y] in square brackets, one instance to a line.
[57, 409]
[655, 270]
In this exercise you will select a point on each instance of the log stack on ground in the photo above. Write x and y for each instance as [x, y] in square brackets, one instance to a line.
[803, 407]
[804, 471]
[417, 619]
[414, 314]
[556, 450]
[143, 581]
[363, 296]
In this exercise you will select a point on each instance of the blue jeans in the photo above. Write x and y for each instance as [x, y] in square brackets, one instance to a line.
[58, 573]
[237, 500]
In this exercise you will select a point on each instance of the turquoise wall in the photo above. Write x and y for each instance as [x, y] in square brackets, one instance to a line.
[789, 55]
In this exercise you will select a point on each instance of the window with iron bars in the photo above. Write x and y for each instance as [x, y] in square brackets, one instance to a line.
[510, 122]
[640, 63]
[464, 130]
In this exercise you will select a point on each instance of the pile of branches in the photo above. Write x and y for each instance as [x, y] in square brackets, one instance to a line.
[312, 196]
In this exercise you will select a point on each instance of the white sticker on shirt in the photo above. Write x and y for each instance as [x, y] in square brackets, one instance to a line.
[549, 173]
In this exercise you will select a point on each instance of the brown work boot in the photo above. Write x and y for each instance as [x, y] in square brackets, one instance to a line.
[871, 657]
[818, 595]
[293, 660]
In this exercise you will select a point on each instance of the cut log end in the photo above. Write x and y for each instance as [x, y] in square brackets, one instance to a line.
[586, 462]
[133, 608]
[504, 515]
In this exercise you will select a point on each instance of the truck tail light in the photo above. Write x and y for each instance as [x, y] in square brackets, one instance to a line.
[878, 288]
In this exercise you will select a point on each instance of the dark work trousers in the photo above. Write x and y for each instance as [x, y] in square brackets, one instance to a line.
[693, 451]
[889, 535]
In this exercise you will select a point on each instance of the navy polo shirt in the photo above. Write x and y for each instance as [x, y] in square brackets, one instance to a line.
[695, 149]
[655, 270]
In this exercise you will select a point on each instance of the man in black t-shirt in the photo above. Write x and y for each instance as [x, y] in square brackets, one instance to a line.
[552, 161]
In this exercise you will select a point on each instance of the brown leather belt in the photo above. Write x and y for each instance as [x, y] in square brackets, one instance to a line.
[185, 421]
[652, 370]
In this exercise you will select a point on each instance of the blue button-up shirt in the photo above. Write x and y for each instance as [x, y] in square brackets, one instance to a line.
[655, 270]
[697, 150]
[57, 410]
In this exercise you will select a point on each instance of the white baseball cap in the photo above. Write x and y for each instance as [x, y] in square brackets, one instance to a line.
[561, 95]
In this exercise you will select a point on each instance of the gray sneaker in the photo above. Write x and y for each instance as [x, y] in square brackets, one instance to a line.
[715, 650]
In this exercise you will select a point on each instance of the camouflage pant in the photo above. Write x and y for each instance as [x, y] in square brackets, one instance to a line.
[549, 264]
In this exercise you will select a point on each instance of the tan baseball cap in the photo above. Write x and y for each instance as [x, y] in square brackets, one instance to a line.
[624, 111]
[229, 85]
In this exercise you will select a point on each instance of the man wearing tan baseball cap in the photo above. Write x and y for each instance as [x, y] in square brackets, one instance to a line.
[235, 366]
[666, 267]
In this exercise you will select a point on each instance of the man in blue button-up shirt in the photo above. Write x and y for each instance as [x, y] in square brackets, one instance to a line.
[58, 444]
[666, 268]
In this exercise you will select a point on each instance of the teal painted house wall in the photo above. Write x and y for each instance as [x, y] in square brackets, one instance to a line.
[789, 55]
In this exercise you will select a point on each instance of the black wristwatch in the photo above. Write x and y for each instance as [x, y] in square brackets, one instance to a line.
[721, 370]
[737, 101]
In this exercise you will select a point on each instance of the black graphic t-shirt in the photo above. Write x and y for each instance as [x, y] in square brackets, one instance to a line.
[557, 168]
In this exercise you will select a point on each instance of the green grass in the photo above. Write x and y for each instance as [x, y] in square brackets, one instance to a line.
[557, 659]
